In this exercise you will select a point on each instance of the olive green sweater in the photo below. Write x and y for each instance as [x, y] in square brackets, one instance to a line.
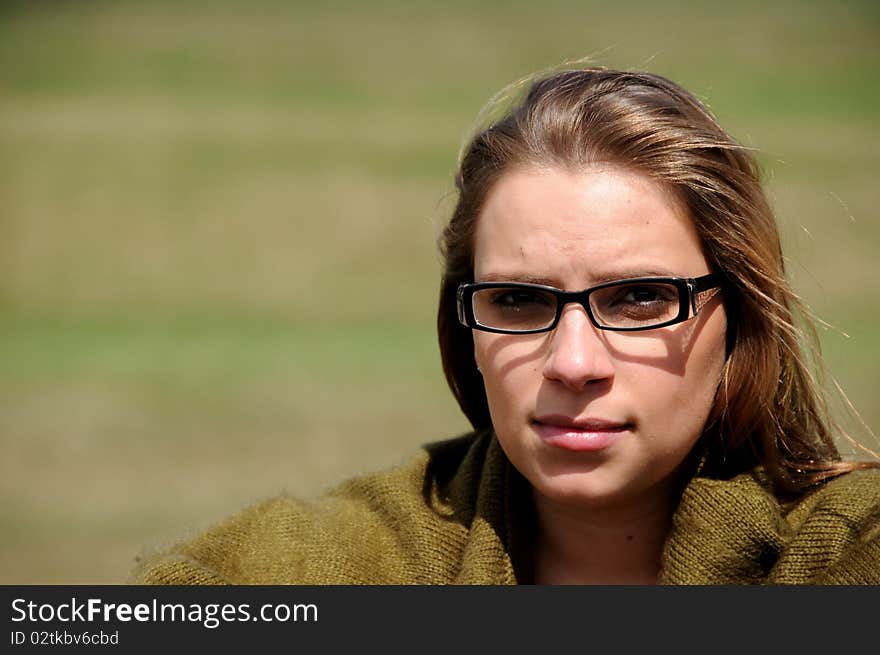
[459, 514]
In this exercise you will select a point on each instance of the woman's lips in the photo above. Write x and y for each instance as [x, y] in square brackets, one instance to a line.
[589, 434]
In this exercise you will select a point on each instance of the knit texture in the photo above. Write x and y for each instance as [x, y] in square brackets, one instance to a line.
[460, 514]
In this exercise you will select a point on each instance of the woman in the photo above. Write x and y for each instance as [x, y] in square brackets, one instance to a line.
[615, 322]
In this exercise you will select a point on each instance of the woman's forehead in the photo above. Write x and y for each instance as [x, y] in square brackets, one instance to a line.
[591, 225]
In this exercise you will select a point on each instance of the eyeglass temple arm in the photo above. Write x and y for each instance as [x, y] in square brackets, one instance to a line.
[699, 288]
[459, 305]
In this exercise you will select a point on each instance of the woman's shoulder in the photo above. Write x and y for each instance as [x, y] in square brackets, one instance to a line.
[836, 528]
[853, 497]
[372, 529]
[737, 531]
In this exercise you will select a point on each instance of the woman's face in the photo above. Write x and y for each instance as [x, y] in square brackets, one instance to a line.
[590, 417]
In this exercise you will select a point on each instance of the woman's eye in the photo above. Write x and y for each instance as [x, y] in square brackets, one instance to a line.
[517, 298]
[647, 300]
[643, 295]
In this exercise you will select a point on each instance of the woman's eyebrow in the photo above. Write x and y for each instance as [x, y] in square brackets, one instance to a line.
[626, 274]
[519, 277]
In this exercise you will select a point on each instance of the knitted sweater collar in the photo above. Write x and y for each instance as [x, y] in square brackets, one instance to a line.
[723, 531]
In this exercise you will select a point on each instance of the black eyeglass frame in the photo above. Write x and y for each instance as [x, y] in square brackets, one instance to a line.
[688, 288]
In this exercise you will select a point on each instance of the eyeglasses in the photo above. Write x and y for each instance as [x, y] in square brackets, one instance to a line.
[641, 303]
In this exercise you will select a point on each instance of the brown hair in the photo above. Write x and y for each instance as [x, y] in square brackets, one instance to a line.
[768, 408]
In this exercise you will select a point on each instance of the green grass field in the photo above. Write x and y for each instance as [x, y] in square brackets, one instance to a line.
[217, 224]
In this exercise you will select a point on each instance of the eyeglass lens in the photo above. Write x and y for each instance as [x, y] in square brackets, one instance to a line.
[625, 305]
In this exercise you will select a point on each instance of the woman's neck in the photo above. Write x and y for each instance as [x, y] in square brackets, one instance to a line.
[600, 546]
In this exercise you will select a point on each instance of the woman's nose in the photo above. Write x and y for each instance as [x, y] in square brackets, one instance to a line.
[577, 353]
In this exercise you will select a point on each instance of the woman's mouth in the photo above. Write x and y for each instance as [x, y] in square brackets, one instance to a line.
[579, 434]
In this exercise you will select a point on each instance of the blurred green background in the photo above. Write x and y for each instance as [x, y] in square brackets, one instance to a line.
[218, 269]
